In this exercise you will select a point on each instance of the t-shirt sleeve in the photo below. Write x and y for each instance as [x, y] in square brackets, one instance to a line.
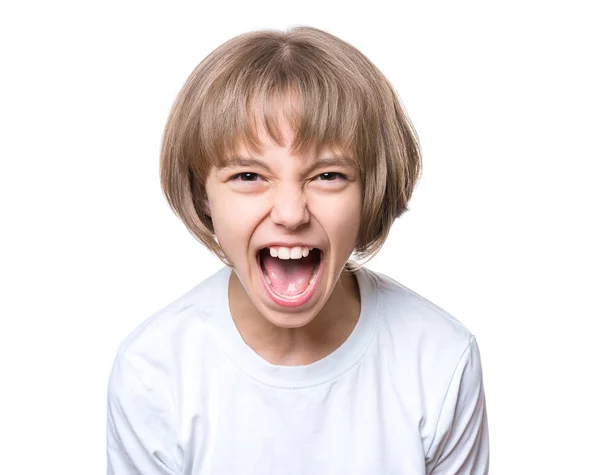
[461, 445]
[140, 433]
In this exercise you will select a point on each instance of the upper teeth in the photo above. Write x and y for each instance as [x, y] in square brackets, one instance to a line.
[290, 252]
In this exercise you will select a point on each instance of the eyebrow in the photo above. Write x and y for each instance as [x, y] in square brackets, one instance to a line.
[241, 162]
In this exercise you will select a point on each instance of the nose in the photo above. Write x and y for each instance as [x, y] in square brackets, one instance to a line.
[289, 207]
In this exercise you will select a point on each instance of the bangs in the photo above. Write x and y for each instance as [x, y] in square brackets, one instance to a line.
[313, 124]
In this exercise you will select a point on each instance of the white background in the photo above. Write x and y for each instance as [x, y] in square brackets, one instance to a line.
[502, 231]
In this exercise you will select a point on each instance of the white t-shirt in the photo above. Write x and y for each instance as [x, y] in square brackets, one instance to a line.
[402, 395]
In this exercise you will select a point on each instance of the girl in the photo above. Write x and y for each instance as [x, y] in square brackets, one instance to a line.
[286, 153]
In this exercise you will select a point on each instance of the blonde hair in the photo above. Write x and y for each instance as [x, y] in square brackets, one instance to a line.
[340, 99]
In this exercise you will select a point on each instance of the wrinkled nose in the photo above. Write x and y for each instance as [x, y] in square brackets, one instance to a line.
[289, 208]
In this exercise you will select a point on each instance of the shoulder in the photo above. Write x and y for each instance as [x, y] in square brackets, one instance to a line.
[415, 320]
[161, 340]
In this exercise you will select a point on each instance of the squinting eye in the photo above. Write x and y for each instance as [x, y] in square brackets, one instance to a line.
[247, 176]
[331, 176]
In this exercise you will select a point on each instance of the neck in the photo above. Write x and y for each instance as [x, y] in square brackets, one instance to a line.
[303, 345]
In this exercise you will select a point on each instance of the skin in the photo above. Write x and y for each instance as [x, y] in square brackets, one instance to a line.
[287, 200]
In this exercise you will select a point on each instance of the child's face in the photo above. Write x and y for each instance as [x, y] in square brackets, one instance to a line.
[286, 201]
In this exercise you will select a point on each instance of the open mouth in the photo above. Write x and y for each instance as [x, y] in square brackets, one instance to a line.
[292, 281]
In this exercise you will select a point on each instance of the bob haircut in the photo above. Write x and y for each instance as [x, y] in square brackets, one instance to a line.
[328, 92]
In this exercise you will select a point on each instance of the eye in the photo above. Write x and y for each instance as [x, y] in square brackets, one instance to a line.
[331, 176]
[245, 177]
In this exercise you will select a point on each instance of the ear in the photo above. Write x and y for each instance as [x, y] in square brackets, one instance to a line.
[204, 203]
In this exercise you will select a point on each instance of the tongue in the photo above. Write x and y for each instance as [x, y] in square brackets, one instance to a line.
[288, 277]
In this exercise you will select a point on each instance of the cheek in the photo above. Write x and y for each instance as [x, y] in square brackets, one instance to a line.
[341, 220]
[348, 224]
[234, 221]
